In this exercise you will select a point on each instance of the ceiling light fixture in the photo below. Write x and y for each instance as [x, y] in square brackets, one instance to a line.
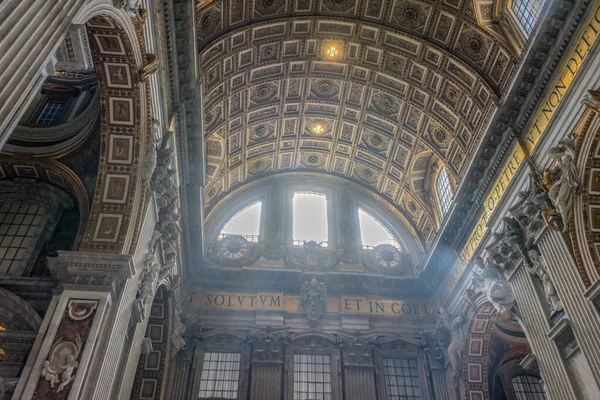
[332, 51]
[317, 129]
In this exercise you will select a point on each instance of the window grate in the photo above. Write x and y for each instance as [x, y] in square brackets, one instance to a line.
[220, 376]
[18, 225]
[312, 377]
[528, 387]
[527, 12]
[402, 379]
[51, 113]
[444, 191]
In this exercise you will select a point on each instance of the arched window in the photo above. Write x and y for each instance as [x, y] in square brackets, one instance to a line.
[245, 223]
[310, 218]
[528, 387]
[373, 233]
[527, 13]
[444, 191]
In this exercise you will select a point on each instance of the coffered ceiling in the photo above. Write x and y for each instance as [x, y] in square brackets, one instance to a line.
[408, 82]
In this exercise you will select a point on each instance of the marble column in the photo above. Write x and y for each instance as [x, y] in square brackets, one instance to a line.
[536, 325]
[583, 317]
[31, 31]
[78, 348]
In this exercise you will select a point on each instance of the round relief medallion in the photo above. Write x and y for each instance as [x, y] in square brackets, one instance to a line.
[411, 14]
[440, 135]
[312, 159]
[412, 206]
[261, 131]
[376, 141]
[475, 45]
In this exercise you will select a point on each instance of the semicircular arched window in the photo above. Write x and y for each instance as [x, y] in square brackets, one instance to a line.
[444, 191]
[373, 232]
[245, 223]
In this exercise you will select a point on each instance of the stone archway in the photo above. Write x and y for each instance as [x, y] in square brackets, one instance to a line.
[120, 197]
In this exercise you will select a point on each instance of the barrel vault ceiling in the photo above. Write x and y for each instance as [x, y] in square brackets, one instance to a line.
[411, 81]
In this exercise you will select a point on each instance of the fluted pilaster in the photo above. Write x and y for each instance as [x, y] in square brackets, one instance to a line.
[537, 325]
[583, 317]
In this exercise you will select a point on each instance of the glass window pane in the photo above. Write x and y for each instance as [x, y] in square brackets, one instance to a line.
[245, 223]
[528, 387]
[52, 113]
[398, 381]
[373, 233]
[527, 12]
[20, 223]
[314, 384]
[444, 191]
[220, 375]
[310, 218]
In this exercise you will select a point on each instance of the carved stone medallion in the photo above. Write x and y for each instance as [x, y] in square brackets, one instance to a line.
[313, 301]
[234, 250]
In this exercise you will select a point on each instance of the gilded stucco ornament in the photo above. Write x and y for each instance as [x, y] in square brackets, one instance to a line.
[563, 182]
[313, 301]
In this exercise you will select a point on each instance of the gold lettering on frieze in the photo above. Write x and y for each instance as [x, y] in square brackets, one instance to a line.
[280, 302]
[548, 106]
[239, 301]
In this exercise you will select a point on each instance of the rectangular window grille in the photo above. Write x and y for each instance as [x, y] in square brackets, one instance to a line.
[444, 191]
[312, 377]
[528, 387]
[527, 13]
[220, 376]
[402, 379]
[52, 113]
[18, 225]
